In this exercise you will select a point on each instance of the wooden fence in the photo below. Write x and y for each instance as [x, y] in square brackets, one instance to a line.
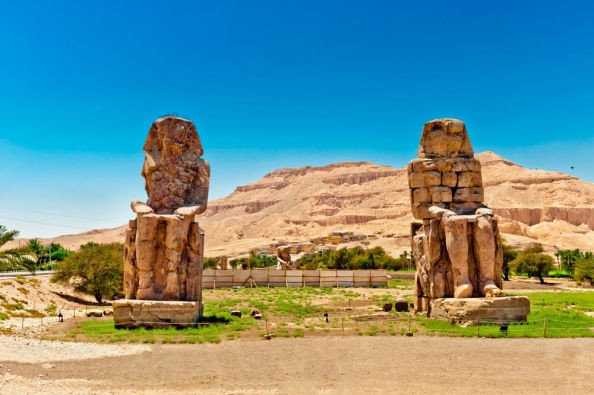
[212, 279]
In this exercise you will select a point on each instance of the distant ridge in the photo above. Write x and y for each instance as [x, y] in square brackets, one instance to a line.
[294, 205]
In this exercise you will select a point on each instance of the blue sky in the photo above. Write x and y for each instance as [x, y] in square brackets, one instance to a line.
[274, 84]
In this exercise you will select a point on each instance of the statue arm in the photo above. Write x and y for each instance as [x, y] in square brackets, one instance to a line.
[190, 210]
[485, 211]
[438, 212]
[141, 208]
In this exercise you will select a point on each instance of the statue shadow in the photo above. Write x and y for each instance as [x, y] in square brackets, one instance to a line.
[76, 299]
[214, 319]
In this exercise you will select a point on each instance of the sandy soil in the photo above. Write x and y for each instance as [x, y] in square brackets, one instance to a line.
[318, 366]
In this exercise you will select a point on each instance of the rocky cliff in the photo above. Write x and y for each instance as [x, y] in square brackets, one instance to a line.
[295, 205]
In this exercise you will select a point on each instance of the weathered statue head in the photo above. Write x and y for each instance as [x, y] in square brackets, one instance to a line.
[175, 175]
[446, 174]
[445, 137]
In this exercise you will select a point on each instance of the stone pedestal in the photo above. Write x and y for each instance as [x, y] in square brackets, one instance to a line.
[131, 313]
[470, 311]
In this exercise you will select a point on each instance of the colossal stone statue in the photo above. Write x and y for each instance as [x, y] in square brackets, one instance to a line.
[457, 247]
[164, 244]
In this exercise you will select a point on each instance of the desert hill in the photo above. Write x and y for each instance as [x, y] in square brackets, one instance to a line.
[295, 205]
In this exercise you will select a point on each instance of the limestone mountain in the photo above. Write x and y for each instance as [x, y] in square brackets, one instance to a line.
[294, 205]
[298, 204]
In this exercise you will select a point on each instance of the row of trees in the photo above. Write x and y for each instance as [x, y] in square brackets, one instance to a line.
[534, 263]
[355, 258]
[33, 256]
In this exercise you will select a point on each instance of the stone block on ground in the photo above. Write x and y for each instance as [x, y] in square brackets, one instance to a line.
[131, 313]
[469, 311]
[401, 305]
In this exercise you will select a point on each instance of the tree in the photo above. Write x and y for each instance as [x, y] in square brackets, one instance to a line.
[210, 263]
[584, 269]
[14, 259]
[509, 254]
[567, 259]
[352, 259]
[96, 269]
[534, 264]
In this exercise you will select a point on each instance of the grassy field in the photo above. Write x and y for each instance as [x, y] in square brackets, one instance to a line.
[299, 312]
[562, 311]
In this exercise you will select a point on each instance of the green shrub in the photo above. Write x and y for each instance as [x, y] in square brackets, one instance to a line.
[584, 270]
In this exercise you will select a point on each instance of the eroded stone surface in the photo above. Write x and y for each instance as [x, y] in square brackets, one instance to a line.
[174, 172]
[128, 313]
[473, 311]
[457, 247]
[164, 245]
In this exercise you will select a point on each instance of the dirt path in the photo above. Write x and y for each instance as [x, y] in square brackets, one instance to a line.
[314, 365]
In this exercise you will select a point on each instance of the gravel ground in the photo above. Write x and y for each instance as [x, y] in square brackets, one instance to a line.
[24, 350]
[336, 365]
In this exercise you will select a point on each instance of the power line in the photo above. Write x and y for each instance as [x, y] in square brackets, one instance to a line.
[48, 213]
[40, 223]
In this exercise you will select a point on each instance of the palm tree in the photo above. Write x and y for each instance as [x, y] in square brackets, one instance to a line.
[14, 258]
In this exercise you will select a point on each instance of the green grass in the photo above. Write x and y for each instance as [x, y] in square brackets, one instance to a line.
[104, 331]
[51, 308]
[563, 312]
[400, 283]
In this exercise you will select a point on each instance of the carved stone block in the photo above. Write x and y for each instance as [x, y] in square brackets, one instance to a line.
[441, 194]
[424, 179]
[449, 179]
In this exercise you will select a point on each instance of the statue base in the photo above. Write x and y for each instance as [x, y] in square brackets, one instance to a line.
[473, 311]
[132, 313]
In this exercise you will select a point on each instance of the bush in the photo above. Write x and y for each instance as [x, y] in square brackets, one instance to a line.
[356, 258]
[211, 263]
[533, 262]
[96, 269]
[584, 270]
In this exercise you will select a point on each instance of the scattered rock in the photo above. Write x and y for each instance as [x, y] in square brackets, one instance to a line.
[258, 316]
[254, 312]
[387, 307]
[236, 313]
[401, 305]
[95, 313]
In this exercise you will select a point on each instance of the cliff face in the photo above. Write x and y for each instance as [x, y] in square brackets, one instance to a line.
[296, 205]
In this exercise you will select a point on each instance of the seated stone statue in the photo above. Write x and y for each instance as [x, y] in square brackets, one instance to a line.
[164, 245]
[457, 247]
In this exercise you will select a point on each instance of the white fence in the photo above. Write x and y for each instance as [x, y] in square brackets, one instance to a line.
[212, 279]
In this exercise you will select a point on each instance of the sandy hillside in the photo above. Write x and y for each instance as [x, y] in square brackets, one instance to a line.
[294, 205]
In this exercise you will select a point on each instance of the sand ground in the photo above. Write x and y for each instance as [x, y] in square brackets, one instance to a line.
[339, 365]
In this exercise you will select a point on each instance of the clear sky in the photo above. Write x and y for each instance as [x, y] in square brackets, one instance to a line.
[273, 84]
